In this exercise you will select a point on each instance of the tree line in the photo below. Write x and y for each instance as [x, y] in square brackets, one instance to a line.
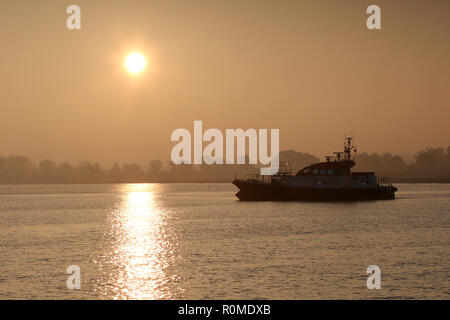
[429, 165]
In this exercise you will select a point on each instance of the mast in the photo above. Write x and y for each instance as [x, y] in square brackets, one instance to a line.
[348, 148]
[347, 154]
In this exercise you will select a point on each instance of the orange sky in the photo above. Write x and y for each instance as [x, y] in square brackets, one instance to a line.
[310, 68]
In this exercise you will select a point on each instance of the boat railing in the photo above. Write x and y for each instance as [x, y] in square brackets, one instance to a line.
[265, 178]
[284, 168]
[283, 171]
[384, 182]
[258, 177]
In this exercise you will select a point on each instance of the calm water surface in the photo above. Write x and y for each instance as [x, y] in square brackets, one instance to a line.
[197, 241]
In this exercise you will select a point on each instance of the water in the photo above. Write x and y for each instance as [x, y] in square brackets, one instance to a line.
[197, 241]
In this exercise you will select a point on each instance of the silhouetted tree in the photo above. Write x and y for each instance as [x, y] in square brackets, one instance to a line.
[386, 164]
[66, 173]
[432, 161]
[155, 170]
[133, 172]
[16, 169]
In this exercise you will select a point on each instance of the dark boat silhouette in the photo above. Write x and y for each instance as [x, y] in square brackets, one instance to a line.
[331, 180]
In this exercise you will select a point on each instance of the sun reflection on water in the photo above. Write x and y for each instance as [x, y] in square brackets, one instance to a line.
[143, 247]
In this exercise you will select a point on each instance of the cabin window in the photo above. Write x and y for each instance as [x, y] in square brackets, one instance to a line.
[323, 171]
[314, 171]
[330, 171]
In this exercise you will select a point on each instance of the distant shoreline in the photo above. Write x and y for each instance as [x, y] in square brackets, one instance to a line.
[420, 180]
[430, 166]
[393, 180]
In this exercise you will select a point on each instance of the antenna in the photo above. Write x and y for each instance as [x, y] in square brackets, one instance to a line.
[348, 148]
[338, 155]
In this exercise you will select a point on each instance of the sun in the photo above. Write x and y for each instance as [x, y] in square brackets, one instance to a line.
[135, 62]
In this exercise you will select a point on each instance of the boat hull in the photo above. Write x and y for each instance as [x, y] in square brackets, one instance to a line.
[256, 191]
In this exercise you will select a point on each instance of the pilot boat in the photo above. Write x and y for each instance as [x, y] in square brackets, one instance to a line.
[331, 180]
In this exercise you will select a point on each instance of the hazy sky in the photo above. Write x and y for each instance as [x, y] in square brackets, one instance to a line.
[310, 68]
